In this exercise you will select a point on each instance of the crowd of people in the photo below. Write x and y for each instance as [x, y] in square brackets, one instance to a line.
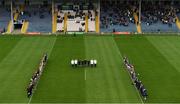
[35, 77]
[83, 63]
[138, 84]
[121, 13]
[117, 14]
[32, 10]
[164, 12]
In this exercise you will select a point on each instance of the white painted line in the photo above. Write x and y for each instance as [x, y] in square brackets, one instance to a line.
[40, 77]
[30, 100]
[85, 74]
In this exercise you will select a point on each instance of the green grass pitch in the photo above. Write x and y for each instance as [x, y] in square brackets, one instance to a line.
[156, 59]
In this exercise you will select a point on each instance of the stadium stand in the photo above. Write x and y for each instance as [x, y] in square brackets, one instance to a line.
[4, 17]
[76, 17]
[158, 17]
[39, 18]
[176, 4]
[123, 16]
[117, 17]
[40, 22]
[28, 16]
[106, 16]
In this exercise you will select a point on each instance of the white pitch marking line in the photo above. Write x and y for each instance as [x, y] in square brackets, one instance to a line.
[30, 100]
[85, 74]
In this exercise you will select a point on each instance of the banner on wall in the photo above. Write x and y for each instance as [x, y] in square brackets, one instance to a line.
[119, 33]
[33, 33]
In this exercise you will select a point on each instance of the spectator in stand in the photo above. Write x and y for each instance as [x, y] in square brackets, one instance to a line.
[152, 12]
[117, 14]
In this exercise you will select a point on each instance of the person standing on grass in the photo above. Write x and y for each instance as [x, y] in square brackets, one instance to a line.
[133, 75]
[95, 63]
[91, 63]
[88, 63]
[138, 84]
[45, 57]
[82, 62]
[72, 63]
[145, 94]
[125, 59]
[85, 62]
[76, 62]
[79, 62]
[29, 90]
[141, 88]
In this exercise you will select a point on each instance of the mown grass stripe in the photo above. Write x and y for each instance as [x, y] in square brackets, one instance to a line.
[18, 67]
[157, 74]
[94, 87]
[6, 45]
[169, 47]
[107, 83]
[65, 84]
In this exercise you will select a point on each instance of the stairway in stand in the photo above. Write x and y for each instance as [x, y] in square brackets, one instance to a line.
[138, 25]
[178, 22]
[97, 22]
[24, 27]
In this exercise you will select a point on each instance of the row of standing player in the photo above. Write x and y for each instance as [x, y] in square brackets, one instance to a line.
[135, 79]
[36, 76]
[89, 63]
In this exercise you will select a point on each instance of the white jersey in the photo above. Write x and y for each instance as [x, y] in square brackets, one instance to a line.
[95, 61]
[91, 62]
[72, 62]
[75, 61]
[128, 67]
[41, 67]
